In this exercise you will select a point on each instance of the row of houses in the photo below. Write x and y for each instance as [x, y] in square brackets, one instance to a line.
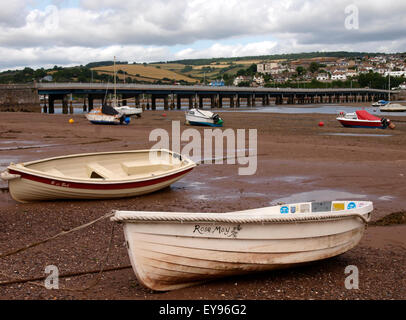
[332, 68]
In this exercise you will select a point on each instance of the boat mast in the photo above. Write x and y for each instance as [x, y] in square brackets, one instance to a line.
[389, 85]
[115, 84]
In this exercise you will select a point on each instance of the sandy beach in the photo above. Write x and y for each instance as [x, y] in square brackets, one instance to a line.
[297, 161]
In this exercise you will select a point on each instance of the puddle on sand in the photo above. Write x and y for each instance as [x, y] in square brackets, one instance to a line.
[386, 198]
[195, 185]
[230, 197]
[291, 179]
[355, 134]
[318, 195]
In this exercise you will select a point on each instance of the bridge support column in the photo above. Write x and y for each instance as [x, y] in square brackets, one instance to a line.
[237, 101]
[51, 102]
[45, 110]
[137, 101]
[91, 100]
[65, 104]
[153, 102]
[166, 106]
[84, 105]
[200, 102]
[231, 102]
[178, 102]
[191, 102]
[196, 103]
[220, 100]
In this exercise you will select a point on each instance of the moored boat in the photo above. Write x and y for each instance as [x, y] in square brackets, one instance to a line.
[393, 107]
[199, 117]
[129, 111]
[107, 115]
[103, 175]
[380, 103]
[363, 119]
[171, 250]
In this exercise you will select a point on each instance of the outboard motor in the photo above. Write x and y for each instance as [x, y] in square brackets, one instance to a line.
[216, 118]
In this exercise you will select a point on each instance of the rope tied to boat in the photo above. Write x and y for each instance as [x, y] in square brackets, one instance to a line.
[217, 218]
[12, 280]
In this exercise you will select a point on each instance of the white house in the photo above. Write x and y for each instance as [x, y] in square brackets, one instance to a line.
[338, 76]
[266, 67]
[240, 79]
[395, 73]
[259, 80]
[322, 77]
[351, 73]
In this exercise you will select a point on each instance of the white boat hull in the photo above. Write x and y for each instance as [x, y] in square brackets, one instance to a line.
[198, 117]
[129, 111]
[393, 107]
[104, 175]
[103, 119]
[168, 255]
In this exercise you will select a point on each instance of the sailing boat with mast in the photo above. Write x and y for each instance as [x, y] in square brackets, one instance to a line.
[126, 110]
[113, 113]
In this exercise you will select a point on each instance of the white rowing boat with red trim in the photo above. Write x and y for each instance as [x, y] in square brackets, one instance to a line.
[102, 175]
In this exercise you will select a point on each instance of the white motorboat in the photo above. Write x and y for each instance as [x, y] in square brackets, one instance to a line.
[200, 117]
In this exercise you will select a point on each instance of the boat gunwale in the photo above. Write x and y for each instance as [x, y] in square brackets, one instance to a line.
[21, 168]
[243, 217]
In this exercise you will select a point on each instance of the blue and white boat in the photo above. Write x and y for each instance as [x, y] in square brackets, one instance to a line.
[380, 103]
[196, 117]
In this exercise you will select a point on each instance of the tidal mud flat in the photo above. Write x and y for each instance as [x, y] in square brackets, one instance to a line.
[297, 161]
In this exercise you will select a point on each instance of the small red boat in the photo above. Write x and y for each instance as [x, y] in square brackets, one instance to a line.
[363, 119]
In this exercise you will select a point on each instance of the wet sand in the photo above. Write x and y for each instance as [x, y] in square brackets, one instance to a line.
[297, 161]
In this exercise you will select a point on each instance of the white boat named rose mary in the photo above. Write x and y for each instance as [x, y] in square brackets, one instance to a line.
[103, 175]
[199, 117]
[171, 250]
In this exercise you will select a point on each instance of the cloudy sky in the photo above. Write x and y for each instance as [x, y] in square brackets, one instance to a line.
[44, 33]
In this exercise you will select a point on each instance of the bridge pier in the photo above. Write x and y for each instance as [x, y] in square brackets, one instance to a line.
[51, 102]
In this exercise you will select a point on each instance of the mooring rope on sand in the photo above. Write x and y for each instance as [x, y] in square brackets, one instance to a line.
[32, 245]
[100, 271]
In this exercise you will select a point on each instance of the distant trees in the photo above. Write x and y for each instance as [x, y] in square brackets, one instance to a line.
[249, 72]
[376, 81]
[314, 66]
[300, 70]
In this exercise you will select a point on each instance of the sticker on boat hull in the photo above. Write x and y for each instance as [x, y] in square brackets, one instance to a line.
[338, 206]
[305, 208]
[351, 205]
[285, 209]
[321, 206]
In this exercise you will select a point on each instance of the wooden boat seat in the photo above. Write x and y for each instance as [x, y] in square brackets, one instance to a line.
[143, 167]
[97, 171]
[55, 172]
